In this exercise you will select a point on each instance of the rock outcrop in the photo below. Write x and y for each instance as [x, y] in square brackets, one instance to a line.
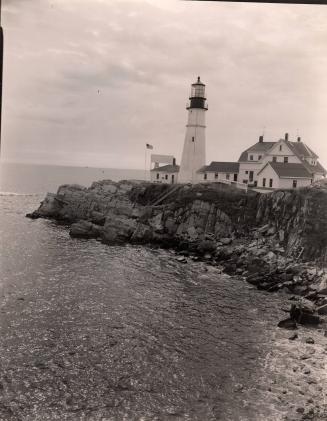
[275, 241]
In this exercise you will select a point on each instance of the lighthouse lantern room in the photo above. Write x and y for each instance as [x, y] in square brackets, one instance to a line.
[193, 156]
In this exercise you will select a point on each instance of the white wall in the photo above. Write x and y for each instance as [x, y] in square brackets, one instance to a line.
[211, 177]
[280, 183]
[162, 177]
[280, 154]
[194, 154]
[268, 173]
[249, 166]
[287, 183]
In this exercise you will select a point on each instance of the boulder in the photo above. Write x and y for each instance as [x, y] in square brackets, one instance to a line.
[322, 310]
[85, 229]
[225, 241]
[289, 324]
[206, 246]
[303, 314]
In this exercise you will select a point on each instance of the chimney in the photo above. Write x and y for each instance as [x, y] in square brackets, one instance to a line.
[299, 139]
[174, 161]
[261, 138]
[286, 136]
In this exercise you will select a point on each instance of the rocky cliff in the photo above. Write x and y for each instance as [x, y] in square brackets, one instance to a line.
[188, 216]
[275, 241]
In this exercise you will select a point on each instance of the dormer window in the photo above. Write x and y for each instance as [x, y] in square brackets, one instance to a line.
[259, 157]
[251, 157]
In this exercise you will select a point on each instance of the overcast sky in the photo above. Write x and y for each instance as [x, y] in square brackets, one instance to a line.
[89, 82]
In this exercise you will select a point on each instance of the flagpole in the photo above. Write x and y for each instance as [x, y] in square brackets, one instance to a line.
[145, 163]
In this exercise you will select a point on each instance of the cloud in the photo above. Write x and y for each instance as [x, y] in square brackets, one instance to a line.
[100, 78]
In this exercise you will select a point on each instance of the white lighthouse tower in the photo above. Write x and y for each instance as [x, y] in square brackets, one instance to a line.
[194, 154]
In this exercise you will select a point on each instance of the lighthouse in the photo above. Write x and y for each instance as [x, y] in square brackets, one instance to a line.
[194, 154]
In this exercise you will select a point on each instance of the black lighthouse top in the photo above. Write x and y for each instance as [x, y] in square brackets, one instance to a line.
[197, 97]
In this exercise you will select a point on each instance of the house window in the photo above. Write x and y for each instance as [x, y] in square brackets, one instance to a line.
[285, 159]
[245, 181]
[294, 184]
[280, 147]
[235, 177]
[227, 176]
[246, 172]
[216, 175]
[270, 182]
[192, 138]
[157, 176]
[263, 182]
[251, 176]
[251, 157]
[274, 158]
[166, 177]
[259, 157]
[205, 176]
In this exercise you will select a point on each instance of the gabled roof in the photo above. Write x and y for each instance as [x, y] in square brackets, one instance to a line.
[167, 168]
[301, 150]
[288, 170]
[315, 169]
[258, 147]
[222, 167]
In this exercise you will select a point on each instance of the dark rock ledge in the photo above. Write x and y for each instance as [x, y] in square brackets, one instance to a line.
[276, 241]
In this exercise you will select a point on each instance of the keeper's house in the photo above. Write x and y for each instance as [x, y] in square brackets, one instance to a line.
[279, 165]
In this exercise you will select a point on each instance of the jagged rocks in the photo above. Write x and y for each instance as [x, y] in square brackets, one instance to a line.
[303, 313]
[85, 229]
[322, 310]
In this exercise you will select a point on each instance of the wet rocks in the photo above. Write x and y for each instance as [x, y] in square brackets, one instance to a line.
[85, 229]
[304, 314]
[289, 324]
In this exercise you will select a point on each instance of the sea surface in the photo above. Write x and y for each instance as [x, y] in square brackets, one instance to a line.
[92, 332]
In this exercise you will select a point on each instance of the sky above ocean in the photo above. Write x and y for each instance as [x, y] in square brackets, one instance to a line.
[89, 82]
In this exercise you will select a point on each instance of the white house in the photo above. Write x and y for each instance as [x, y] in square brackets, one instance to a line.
[280, 175]
[254, 159]
[166, 174]
[263, 166]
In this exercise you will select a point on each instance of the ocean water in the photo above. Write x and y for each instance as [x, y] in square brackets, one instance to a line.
[92, 332]
[31, 179]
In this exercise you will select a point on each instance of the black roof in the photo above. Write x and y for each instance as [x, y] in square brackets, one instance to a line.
[225, 167]
[315, 168]
[300, 149]
[289, 170]
[167, 168]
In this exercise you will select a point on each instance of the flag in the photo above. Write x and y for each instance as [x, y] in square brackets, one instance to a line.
[148, 146]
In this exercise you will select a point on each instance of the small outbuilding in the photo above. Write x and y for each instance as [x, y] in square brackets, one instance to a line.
[166, 174]
[280, 175]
